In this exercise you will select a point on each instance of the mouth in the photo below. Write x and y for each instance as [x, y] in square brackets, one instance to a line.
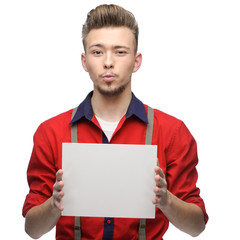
[108, 77]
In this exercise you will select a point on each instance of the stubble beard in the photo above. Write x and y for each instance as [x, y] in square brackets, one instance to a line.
[111, 92]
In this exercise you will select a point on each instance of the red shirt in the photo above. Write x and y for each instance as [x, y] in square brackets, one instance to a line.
[177, 154]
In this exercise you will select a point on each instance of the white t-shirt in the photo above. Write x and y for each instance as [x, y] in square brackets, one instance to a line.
[107, 127]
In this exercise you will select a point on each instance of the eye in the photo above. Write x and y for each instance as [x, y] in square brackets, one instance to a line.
[97, 52]
[121, 52]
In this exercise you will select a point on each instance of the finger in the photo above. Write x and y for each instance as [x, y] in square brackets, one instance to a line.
[157, 201]
[60, 207]
[160, 182]
[58, 186]
[58, 204]
[58, 196]
[159, 172]
[59, 175]
[154, 201]
[160, 191]
[156, 191]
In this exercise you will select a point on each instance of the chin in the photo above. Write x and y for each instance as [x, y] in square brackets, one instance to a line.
[111, 92]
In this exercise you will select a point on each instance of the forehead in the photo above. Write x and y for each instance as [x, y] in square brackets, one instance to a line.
[111, 36]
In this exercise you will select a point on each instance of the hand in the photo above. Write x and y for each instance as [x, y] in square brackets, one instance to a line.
[57, 191]
[162, 195]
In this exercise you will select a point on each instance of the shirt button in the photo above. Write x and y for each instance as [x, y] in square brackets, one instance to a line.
[108, 221]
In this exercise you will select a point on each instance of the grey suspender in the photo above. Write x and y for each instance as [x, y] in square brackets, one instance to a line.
[148, 141]
[74, 139]
[74, 128]
[149, 132]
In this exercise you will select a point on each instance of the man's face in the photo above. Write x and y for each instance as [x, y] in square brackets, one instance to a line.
[110, 59]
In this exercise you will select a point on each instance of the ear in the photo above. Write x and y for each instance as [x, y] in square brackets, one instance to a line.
[138, 62]
[84, 63]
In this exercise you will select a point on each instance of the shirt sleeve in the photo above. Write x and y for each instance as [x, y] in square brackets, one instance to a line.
[41, 172]
[181, 168]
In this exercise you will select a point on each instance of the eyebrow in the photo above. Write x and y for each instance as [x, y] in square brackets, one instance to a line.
[118, 46]
[96, 45]
[102, 46]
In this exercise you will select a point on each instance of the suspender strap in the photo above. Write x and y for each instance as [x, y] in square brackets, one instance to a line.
[149, 132]
[77, 229]
[148, 141]
[74, 128]
[142, 229]
[74, 139]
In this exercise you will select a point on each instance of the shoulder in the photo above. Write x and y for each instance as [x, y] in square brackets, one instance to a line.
[56, 124]
[170, 127]
[162, 119]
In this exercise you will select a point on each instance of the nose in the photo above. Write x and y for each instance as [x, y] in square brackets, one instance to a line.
[108, 66]
[108, 61]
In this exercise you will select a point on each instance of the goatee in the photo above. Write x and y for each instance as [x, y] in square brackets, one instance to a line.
[112, 92]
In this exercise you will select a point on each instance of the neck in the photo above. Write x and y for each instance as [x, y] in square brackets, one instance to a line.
[111, 108]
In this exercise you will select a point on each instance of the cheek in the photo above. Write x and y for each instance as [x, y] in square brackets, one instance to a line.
[92, 68]
[128, 66]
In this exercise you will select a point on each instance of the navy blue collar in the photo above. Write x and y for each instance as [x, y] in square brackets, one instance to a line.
[136, 108]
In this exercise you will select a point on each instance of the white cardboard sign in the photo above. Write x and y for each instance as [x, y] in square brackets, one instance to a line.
[108, 180]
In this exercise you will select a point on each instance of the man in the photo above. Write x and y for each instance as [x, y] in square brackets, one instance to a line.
[112, 114]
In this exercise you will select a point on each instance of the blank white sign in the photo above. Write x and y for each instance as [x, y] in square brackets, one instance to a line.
[108, 180]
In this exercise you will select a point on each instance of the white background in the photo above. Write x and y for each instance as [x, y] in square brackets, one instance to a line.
[191, 61]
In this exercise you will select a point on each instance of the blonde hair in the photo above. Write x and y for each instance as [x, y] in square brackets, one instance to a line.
[110, 16]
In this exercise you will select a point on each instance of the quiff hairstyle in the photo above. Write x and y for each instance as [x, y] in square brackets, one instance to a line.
[110, 16]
